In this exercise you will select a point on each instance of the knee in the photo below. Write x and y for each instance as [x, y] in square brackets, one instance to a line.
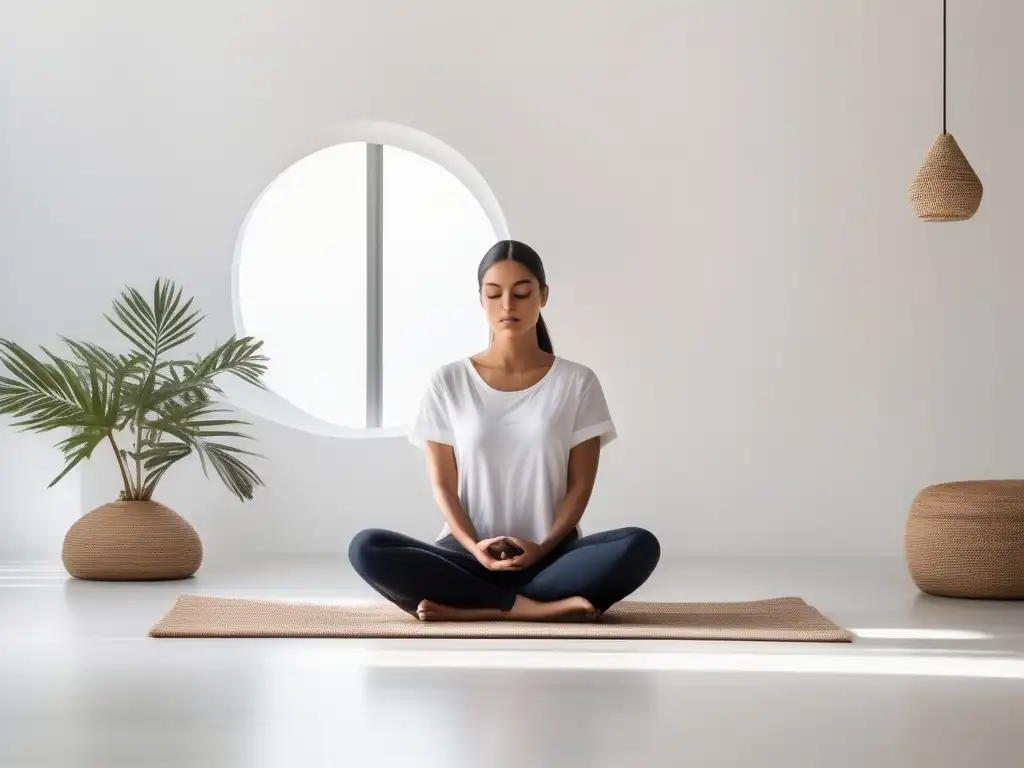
[644, 547]
[364, 547]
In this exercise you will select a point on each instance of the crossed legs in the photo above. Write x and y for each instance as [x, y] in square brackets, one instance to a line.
[580, 579]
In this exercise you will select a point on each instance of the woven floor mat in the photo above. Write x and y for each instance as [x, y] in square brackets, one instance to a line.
[780, 619]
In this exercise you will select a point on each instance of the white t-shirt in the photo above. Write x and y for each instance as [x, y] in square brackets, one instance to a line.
[512, 448]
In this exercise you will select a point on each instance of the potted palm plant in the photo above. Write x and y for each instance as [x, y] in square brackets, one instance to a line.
[160, 405]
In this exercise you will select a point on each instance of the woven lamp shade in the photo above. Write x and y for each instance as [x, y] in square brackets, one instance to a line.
[945, 188]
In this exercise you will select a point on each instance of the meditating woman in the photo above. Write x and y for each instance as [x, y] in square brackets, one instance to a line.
[512, 438]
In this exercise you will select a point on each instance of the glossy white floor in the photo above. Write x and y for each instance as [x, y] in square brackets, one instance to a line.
[929, 682]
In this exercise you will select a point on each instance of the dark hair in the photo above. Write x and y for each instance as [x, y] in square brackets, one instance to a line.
[513, 250]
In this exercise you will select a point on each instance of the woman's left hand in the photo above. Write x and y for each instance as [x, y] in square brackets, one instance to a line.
[531, 554]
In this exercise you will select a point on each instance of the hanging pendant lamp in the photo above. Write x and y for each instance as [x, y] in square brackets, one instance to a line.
[945, 188]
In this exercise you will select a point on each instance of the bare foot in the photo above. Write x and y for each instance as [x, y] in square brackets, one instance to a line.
[428, 610]
[569, 609]
[524, 609]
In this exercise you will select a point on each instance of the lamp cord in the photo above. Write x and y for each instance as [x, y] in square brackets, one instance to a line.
[943, 67]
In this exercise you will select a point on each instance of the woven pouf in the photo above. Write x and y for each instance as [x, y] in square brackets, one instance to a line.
[132, 541]
[966, 539]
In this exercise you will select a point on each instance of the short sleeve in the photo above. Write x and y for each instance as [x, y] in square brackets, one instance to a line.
[432, 422]
[593, 419]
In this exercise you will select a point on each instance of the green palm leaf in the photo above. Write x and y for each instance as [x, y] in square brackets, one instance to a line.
[83, 396]
[232, 471]
[157, 328]
[188, 422]
[235, 356]
[166, 403]
[62, 394]
[158, 459]
[78, 447]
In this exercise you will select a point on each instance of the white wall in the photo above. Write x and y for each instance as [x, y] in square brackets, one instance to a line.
[718, 189]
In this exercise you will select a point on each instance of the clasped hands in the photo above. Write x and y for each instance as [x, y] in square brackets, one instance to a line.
[507, 553]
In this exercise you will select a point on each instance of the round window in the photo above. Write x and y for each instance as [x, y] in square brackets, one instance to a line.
[357, 268]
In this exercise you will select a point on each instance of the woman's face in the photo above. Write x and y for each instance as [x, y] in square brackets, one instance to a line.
[512, 298]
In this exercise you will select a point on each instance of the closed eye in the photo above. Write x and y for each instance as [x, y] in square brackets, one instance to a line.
[517, 295]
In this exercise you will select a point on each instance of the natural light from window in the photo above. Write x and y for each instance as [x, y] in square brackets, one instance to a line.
[435, 234]
[302, 281]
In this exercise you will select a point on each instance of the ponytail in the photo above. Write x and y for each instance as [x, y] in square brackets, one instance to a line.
[543, 337]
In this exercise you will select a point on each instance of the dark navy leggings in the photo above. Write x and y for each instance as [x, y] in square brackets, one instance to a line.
[602, 567]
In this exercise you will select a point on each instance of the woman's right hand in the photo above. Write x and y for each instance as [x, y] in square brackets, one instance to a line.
[479, 551]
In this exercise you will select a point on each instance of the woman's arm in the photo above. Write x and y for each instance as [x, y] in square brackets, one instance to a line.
[583, 460]
[444, 477]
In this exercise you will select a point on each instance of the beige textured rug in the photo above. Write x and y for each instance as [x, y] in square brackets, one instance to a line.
[783, 619]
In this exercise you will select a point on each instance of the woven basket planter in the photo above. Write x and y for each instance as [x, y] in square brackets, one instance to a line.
[132, 541]
[946, 188]
[966, 539]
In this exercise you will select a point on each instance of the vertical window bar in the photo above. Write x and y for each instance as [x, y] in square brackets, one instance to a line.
[374, 285]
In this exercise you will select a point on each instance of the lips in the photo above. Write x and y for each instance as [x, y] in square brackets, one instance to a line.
[510, 319]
